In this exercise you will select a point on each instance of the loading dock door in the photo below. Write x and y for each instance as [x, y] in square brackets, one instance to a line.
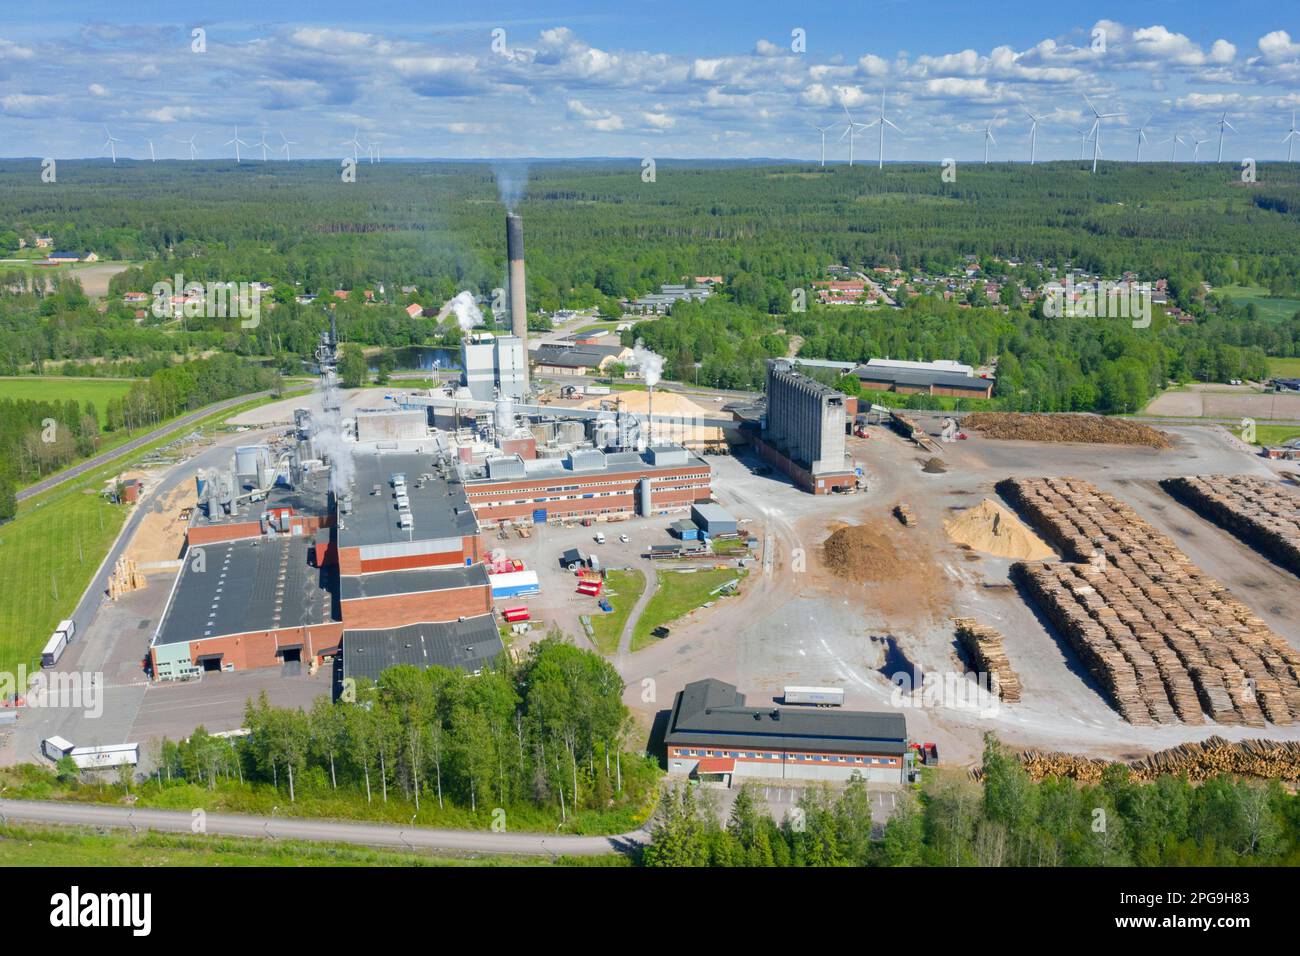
[210, 663]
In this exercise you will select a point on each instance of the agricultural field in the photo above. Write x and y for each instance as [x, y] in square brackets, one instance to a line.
[48, 555]
[1271, 308]
[55, 388]
[677, 595]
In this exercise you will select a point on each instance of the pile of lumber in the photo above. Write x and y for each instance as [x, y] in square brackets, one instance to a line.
[1090, 429]
[1165, 641]
[126, 577]
[904, 514]
[1263, 513]
[984, 646]
[1267, 759]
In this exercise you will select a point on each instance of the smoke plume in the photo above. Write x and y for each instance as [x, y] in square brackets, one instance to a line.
[650, 363]
[512, 181]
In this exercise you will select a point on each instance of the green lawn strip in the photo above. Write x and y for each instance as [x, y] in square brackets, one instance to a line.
[677, 595]
[52, 549]
[1270, 307]
[1267, 435]
[36, 845]
[623, 589]
[317, 800]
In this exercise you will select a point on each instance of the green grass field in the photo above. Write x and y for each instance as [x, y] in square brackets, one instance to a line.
[1266, 435]
[1269, 308]
[50, 388]
[623, 588]
[32, 845]
[48, 554]
[678, 594]
[1284, 367]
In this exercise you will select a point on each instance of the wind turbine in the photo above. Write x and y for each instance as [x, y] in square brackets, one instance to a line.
[192, 147]
[264, 145]
[1291, 134]
[823, 130]
[1175, 141]
[237, 142]
[848, 130]
[354, 143]
[151, 155]
[1086, 134]
[882, 122]
[988, 136]
[1096, 130]
[285, 148]
[1142, 138]
[1196, 146]
[111, 143]
[1223, 122]
[1033, 134]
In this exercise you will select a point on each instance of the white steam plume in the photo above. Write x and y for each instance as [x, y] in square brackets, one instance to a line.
[465, 309]
[512, 181]
[650, 363]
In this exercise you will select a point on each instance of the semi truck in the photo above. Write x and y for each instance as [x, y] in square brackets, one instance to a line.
[816, 696]
[58, 643]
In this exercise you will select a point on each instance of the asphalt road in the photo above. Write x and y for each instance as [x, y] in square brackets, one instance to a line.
[103, 457]
[292, 828]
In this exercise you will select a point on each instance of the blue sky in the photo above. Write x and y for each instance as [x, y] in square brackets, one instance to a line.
[655, 78]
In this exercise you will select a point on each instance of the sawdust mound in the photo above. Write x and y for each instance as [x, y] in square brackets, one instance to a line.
[1089, 429]
[861, 553]
[934, 466]
[992, 529]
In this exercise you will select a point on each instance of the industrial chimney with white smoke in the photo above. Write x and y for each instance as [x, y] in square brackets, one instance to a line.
[518, 285]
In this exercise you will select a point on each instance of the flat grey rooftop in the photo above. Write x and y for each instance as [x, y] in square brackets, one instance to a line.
[470, 645]
[387, 583]
[439, 508]
[257, 584]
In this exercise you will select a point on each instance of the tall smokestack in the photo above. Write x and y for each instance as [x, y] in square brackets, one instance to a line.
[518, 286]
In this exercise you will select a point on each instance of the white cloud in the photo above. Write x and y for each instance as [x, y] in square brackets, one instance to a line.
[766, 48]
[97, 89]
[659, 120]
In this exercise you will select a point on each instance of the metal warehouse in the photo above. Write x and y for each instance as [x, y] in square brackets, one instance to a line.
[713, 520]
[712, 734]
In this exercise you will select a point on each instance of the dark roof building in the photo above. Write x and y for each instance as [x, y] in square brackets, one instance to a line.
[469, 644]
[910, 381]
[710, 721]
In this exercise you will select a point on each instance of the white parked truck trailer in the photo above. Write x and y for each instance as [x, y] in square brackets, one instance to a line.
[816, 696]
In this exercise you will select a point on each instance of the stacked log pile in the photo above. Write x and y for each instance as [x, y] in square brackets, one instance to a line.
[1165, 641]
[126, 577]
[984, 646]
[904, 514]
[1263, 513]
[1267, 759]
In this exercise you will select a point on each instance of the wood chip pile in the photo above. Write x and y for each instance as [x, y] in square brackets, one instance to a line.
[984, 646]
[1091, 429]
[1263, 513]
[1268, 759]
[1166, 642]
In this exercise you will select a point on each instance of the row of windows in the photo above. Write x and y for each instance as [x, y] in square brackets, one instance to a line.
[625, 483]
[778, 755]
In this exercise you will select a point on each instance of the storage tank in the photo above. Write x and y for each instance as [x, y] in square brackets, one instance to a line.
[571, 432]
[200, 485]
